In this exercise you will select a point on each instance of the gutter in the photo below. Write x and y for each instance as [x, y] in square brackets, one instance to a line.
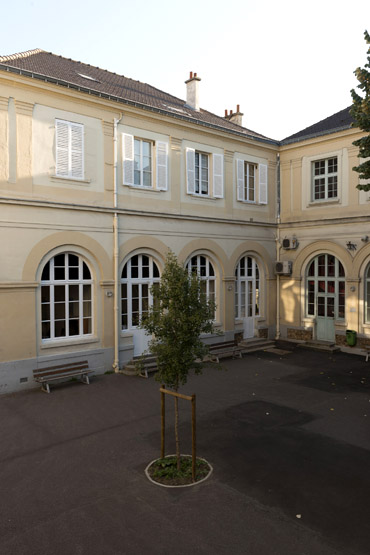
[116, 247]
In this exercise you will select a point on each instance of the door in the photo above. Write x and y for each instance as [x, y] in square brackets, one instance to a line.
[325, 330]
[138, 275]
[247, 294]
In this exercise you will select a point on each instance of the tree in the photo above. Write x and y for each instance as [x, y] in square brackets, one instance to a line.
[180, 313]
[360, 112]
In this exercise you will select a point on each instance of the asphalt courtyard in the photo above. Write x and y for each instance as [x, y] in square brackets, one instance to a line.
[287, 433]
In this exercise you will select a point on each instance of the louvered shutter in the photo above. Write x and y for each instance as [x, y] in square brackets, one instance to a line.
[262, 183]
[190, 170]
[162, 166]
[77, 162]
[218, 175]
[62, 148]
[128, 159]
[240, 179]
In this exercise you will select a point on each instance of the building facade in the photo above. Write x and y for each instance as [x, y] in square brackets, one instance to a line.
[100, 175]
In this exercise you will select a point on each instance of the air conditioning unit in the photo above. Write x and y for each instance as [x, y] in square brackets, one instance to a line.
[283, 268]
[291, 243]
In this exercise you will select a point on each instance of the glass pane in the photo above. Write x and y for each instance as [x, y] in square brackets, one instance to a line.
[46, 330]
[45, 312]
[74, 310]
[46, 272]
[59, 260]
[340, 269]
[45, 294]
[59, 310]
[87, 325]
[87, 308]
[321, 306]
[59, 293]
[73, 260]
[74, 292]
[330, 307]
[135, 267]
[85, 271]
[73, 273]
[311, 269]
[59, 273]
[155, 270]
[321, 286]
[331, 265]
[86, 292]
[321, 265]
[60, 328]
[124, 272]
[74, 328]
[331, 286]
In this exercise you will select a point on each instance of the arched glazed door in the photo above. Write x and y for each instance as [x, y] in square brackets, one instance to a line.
[138, 275]
[325, 294]
[247, 294]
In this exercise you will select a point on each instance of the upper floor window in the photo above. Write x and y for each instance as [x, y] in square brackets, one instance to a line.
[325, 179]
[204, 173]
[145, 163]
[69, 149]
[249, 177]
[66, 298]
[201, 174]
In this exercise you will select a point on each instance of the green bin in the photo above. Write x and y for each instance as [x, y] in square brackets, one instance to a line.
[351, 337]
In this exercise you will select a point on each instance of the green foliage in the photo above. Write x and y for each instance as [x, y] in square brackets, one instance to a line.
[360, 112]
[180, 313]
[167, 468]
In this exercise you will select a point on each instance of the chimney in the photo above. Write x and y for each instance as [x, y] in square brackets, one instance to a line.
[192, 92]
[237, 117]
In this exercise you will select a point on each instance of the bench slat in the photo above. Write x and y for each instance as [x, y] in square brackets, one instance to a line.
[67, 370]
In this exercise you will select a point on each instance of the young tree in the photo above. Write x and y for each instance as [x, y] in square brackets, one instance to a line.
[360, 112]
[180, 313]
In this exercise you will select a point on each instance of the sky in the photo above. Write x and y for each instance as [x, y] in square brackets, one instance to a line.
[287, 63]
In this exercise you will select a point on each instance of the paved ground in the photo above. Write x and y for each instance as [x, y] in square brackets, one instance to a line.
[288, 436]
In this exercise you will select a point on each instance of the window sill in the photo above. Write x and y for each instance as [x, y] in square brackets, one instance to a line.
[55, 343]
[70, 180]
[323, 202]
[142, 188]
[204, 197]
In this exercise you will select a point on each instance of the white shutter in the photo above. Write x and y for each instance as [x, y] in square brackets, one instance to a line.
[128, 159]
[162, 166]
[77, 162]
[240, 179]
[262, 170]
[62, 149]
[190, 170]
[218, 175]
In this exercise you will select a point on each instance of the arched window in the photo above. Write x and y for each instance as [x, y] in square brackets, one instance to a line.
[326, 287]
[203, 267]
[247, 288]
[138, 275]
[367, 294]
[66, 298]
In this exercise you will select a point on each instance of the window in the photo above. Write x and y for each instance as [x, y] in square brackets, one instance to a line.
[145, 163]
[247, 174]
[69, 149]
[367, 295]
[325, 179]
[204, 174]
[138, 275]
[66, 298]
[201, 174]
[142, 163]
[326, 287]
[203, 267]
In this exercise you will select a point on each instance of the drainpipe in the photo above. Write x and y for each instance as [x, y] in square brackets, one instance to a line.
[116, 248]
[278, 247]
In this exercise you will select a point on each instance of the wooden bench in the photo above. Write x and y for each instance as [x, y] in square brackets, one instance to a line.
[69, 370]
[223, 350]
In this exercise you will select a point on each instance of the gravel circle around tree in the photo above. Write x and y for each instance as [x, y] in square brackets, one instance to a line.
[163, 472]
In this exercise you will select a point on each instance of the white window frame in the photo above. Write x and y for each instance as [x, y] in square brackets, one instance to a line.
[67, 283]
[69, 155]
[205, 269]
[140, 169]
[325, 176]
[159, 163]
[260, 181]
[198, 190]
[250, 274]
[325, 278]
[367, 294]
[215, 173]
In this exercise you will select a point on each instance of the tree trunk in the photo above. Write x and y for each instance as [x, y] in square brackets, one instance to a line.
[177, 432]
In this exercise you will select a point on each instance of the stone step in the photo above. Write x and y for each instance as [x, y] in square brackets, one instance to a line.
[320, 346]
[255, 344]
[149, 364]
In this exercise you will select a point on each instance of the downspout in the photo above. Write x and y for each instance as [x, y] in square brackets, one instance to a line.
[116, 248]
[278, 247]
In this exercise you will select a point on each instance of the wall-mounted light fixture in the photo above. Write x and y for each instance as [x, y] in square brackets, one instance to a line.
[109, 293]
[351, 246]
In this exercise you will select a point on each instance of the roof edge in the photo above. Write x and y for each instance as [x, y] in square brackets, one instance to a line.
[314, 135]
[18, 55]
[61, 82]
